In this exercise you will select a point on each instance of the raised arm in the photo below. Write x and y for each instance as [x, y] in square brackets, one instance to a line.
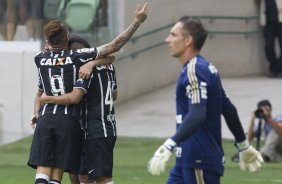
[122, 39]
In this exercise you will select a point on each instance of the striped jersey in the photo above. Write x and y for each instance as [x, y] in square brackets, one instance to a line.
[99, 113]
[58, 72]
[199, 83]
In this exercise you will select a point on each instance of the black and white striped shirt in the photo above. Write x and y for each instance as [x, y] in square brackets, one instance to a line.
[57, 72]
[98, 107]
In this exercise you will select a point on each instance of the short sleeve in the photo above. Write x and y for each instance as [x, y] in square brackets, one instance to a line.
[82, 84]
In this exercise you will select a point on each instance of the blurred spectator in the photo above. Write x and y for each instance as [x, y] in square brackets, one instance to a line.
[261, 127]
[8, 19]
[54, 9]
[253, 130]
[271, 20]
[31, 12]
[272, 150]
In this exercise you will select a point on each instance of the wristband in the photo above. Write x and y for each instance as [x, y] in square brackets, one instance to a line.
[243, 145]
[170, 144]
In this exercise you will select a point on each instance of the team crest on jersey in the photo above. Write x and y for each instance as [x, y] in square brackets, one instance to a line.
[55, 61]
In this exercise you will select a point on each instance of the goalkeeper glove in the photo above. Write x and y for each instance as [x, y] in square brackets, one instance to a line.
[249, 157]
[157, 163]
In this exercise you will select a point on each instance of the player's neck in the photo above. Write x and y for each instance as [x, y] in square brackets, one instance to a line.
[189, 54]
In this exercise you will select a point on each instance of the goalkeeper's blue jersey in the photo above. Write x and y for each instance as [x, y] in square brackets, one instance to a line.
[199, 83]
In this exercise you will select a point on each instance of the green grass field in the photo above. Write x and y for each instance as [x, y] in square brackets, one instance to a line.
[131, 156]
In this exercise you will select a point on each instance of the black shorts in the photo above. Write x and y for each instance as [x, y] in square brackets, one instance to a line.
[82, 168]
[57, 142]
[99, 157]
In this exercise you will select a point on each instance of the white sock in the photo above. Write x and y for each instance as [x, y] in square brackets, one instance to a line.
[54, 182]
[44, 176]
[111, 182]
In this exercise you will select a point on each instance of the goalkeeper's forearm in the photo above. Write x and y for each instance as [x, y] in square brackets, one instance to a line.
[233, 122]
[191, 123]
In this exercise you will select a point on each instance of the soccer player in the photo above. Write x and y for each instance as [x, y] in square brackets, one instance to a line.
[56, 142]
[200, 101]
[76, 42]
[98, 120]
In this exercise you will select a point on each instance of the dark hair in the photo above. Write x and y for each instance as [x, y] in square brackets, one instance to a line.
[193, 26]
[77, 39]
[264, 103]
[56, 34]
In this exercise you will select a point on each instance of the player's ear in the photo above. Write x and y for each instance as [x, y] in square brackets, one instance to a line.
[188, 40]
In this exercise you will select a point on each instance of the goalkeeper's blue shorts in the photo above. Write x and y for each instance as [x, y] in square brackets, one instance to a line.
[180, 175]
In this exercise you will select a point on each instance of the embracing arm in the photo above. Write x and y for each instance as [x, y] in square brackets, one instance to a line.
[122, 39]
[73, 97]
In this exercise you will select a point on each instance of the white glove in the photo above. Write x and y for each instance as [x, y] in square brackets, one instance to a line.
[157, 163]
[249, 157]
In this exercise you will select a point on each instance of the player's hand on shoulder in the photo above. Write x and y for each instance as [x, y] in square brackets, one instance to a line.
[141, 14]
[85, 71]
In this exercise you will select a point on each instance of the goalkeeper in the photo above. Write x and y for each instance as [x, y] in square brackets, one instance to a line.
[200, 102]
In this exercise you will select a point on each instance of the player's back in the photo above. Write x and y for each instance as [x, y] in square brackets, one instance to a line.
[99, 105]
[57, 75]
